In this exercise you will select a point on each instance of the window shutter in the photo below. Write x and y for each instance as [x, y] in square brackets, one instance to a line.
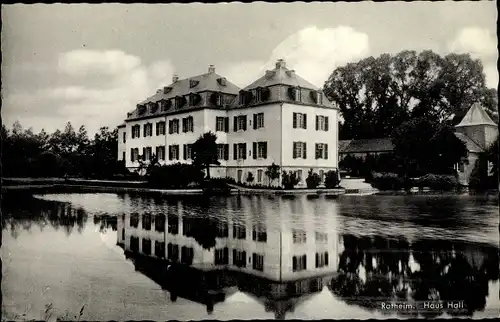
[226, 124]
[304, 150]
[305, 121]
[295, 150]
[326, 123]
[226, 151]
[317, 122]
[265, 150]
[170, 152]
[143, 154]
[317, 150]
[244, 151]
[235, 123]
[170, 127]
[245, 123]
[157, 129]
[254, 148]
[132, 155]
[294, 263]
[294, 120]
[326, 259]
[191, 123]
[255, 121]
[326, 150]
[216, 118]
[235, 151]
[184, 148]
[304, 261]
[317, 260]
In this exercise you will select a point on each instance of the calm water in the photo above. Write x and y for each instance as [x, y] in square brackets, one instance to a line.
[260, 257]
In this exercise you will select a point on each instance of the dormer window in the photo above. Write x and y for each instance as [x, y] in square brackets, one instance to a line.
[179, 101]
[221, 81]
[153, 107]
[295, 93]
[193, 83]
[317, 97]
[216, 99]
[141, 109]
[194, 99]
[166, 89]
[165, 105]
[245, 97]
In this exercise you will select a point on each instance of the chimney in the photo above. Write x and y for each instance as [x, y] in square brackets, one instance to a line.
[280, 64]
[175, 78]
[211, 69]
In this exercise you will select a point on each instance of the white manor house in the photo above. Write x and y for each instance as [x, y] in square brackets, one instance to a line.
[280, 118]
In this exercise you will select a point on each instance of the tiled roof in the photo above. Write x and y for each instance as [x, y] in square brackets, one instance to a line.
[366, 145]
[476, 116]
[205, 82]
[281, 76]
[469, 144]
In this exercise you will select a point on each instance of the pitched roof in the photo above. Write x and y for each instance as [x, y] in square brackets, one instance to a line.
[366, 145]
[469, 144]
[476, 116]
[121, 125]
[204, 82]
[281, 76]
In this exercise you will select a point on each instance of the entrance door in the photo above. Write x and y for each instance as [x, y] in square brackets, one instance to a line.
[240, 174]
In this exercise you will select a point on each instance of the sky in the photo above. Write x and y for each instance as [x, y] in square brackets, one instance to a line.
[91, 64]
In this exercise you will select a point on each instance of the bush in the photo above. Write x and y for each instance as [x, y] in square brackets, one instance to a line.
[250, 177]
[387, 181]
[313, 180]
[289, 180]
[174, 176]
[332, 179]
[437, 182]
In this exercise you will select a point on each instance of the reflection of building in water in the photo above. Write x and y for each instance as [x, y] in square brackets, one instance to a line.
[274, 253]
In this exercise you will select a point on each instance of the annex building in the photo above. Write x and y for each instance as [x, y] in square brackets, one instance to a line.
[279, 118]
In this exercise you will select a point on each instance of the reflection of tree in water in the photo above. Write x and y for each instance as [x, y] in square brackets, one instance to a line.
[448, 271]
[106, 222]
[42, 213]
[202, 229]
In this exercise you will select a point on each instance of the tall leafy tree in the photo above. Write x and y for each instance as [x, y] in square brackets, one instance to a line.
[205, 152]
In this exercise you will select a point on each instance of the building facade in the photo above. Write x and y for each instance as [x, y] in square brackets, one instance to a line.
[280, 118]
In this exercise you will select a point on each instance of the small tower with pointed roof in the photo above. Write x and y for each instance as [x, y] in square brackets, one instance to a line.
[478, 126]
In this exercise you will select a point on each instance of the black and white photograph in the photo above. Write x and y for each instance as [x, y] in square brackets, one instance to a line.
[243, 161]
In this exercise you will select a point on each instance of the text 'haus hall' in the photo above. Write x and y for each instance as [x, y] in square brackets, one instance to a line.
[280, 118]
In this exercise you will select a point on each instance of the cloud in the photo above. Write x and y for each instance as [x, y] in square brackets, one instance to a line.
[480, 44]
[82, 101]
[84, 62]
[312, 52]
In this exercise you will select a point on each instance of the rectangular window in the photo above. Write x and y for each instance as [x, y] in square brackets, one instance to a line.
[173, 126]
[148, 153]
[173, 152]
[222, 124]
[299, 121]
[221, 149]
[187, 227]
[146, 246]
[146, 221]
[299, 263]
[136, 131]
[148, 129]
[258, 121]
[321, 238]
[173, 224]
[321, 123]
[160, 152]
[299, 236]
[221, 256]
[240, 151]
[321, 151]
[259, 233]
[258, 262]
[134, 220]
[222, 230]
[187, 124]
[259, 150]
[124, 137]
[299, 150]
[239, 258]
[173, 252]
[240, 123]
[134, 243]
[160, 223]
[160, 249]
[239, 232]
[188, 151]
[259, 175]
[187, 254]
[321, 259]
[160, 128]
[123, 156]
[299, 175]
[322, 175]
